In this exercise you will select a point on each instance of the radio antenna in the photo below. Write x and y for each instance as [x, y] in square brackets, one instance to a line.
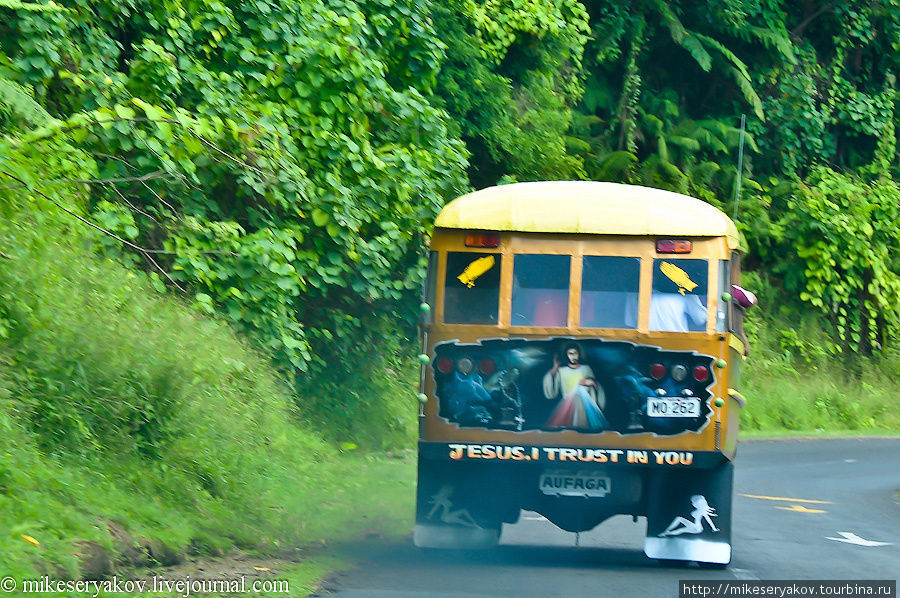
[740, 168]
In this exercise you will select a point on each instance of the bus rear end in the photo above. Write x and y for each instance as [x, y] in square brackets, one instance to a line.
[579, 376]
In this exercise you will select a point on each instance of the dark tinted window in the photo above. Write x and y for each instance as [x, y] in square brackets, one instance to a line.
[609, 291]
[472, 288]
[540, 295]
[679, 299]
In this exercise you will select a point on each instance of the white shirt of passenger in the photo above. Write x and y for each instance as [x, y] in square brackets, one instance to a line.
[670, 312]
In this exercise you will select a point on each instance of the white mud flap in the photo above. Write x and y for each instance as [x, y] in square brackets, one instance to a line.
[689, 515]
[444, 518]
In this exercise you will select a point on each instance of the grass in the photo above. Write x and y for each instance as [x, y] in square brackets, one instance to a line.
[121, 406]
[791, 399]
[814, 434]
[796, 382]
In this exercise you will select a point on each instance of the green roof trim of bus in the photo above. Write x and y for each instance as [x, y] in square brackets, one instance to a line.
[587, 207]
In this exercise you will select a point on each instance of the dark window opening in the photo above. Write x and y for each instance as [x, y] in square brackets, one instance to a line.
[540, 295]
[472, 288]
[609, 292]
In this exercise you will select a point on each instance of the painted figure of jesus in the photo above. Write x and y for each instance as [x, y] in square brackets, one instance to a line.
[582, 397]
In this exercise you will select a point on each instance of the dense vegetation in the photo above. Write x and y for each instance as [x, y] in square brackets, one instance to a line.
[170, 165]
[134, 426]
[817, 80]
[283, 159]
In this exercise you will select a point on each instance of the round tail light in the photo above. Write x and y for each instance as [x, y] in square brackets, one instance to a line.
[701, 373]
[487, 366]
[657, 371]
[679, 372]
[444, 365]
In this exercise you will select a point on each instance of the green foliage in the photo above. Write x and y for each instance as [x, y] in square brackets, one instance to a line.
[279, 163]
[666, 83]
[511, 74]
[18, 108]
[119, 404]
[793, 381]
[364, 397]
[280, 152]
[844, 231]
[99, 363]
[97, 368]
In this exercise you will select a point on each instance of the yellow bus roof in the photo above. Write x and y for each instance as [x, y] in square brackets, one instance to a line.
[587, 207]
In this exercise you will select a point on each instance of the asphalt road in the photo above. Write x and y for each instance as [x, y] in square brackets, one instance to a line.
[797, 502]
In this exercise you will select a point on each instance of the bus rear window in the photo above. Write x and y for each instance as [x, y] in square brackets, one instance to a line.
[472, 288]
[609, 291]
[679, 299]
[540, 294]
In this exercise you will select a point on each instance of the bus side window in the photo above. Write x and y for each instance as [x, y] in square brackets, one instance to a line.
[472, 288]
[540, 294]
[609, 291]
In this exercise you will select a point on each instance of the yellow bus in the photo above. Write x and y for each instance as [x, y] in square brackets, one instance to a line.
[581, 360]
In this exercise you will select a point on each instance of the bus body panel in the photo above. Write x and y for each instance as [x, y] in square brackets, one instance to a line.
[508, 423]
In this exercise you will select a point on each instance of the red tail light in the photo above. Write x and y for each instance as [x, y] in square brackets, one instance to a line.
[444, 365]
[701, 373]
[487, 366]
[674, 246]
[657, 371]
[489, 240]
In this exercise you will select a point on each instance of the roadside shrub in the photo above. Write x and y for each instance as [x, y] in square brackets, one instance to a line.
[794, 379]
[130, 406]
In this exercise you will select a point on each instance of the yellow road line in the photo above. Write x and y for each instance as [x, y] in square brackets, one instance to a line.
[800, 509]
[782, 498]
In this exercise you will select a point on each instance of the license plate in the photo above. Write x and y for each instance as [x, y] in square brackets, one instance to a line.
[672, 407]
[574, 484]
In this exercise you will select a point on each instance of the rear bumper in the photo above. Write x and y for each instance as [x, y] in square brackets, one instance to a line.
[469, 486]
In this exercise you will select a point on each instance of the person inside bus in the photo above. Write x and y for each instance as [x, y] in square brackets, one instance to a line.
[583, 398]
[675, 303]
[673, 312]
